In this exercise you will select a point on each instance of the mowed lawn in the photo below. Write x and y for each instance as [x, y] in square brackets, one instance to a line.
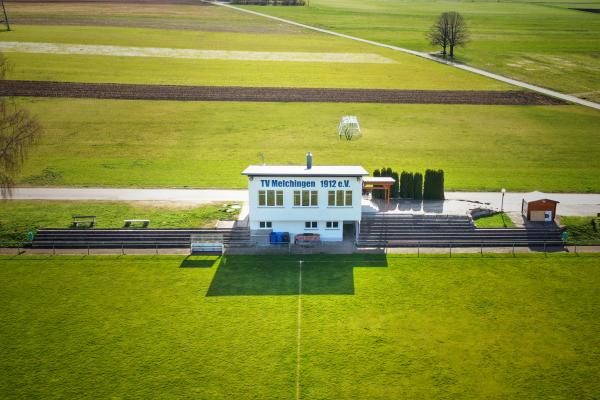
[208, 144]
[371, 327]
[544, 42]
[406, 72]
[18, 217]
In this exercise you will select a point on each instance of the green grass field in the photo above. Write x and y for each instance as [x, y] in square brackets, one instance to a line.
[204, 144]
[498, 220]
[407, 73]
[371, 327]
[544, 43]
[19, 217]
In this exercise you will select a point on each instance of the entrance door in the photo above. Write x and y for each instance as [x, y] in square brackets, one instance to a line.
[349, 230]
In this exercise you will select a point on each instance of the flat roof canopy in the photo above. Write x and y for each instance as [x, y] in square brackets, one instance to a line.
[379, 179]
[301, 170]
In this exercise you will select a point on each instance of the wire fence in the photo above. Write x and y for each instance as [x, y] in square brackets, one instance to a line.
[417, 247]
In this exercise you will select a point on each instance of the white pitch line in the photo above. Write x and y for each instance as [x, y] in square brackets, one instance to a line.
[539, 89]
[299, 330]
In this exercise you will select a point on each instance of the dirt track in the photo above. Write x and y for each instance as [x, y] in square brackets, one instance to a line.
[234, 93]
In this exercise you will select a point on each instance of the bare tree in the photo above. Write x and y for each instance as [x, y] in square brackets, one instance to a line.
[5, 20]
[449, 31]
[18, 132]
[438, 34]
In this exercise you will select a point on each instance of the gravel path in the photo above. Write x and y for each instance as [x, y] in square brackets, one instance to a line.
[547, 92]
[456, 203]
[234, 93]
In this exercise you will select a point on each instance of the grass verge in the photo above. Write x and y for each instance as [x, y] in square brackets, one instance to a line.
[17, 217]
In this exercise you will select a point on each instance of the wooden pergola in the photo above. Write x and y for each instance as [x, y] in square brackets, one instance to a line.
[384, 183]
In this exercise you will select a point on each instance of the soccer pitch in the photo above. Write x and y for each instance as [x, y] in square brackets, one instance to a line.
[363, 327]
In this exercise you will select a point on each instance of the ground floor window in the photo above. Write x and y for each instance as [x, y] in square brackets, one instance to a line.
[265, 224]
[311, 225]
[332, 225]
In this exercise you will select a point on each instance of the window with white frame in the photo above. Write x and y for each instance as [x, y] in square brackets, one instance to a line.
[332, 225]
[306, 198]
[311, 225]
[339, 198]
[270, 198]
[265, 224]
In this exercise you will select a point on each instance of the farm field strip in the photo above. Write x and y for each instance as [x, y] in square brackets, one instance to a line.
[427, 56]
[266, 94]
[122, 51]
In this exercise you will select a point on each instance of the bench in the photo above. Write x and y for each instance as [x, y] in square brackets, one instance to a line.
[129, 222]
[307, 239]
[207, 248]
[83, 221]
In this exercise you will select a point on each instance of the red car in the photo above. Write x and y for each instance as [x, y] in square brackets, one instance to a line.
[307, 238]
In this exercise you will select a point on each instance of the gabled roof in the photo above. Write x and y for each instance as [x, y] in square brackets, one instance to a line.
[301, 170]
[537, 196]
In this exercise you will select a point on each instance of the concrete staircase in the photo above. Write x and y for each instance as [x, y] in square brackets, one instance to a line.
[134, 238]
[404, 230]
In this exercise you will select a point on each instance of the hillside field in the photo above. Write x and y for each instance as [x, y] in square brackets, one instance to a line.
[371, 327]
[208, 144]
[541, 42]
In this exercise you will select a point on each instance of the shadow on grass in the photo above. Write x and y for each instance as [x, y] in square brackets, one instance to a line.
[269, 275]
[199, 261]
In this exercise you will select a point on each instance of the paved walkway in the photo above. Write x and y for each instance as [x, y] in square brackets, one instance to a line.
[552, 93]
[456, 203]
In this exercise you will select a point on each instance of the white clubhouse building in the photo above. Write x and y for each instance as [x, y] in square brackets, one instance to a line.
[305, 199]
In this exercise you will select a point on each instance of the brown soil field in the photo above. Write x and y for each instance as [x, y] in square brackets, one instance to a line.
[155, 14]
[266, 94]
[194, 2]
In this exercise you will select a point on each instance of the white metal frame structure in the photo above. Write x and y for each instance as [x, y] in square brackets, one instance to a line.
[349, 128]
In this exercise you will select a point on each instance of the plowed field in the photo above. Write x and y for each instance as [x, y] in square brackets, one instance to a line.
[266, 94]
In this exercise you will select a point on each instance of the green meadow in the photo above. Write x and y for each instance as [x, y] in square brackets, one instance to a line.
[208, 144]
[407, 72]
[544, 43]
[22, 216]
[370, 326]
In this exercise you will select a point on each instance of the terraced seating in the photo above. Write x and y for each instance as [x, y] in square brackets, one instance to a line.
[400, 230]
[133, 238]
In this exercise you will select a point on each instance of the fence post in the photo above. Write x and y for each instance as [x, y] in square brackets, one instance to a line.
[544, 247]
[575, 249]
[513, 249]
[418, 248]
[157, 248]
[53, 248]
[88, 248]
[481, 249]
[450, 250]
[18, 249]
[122, 248]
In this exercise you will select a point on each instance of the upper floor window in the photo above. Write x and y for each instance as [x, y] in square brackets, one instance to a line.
[270, 198]
[306, 198]
[339, 198]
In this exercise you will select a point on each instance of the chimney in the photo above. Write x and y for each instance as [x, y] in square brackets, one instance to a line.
[308, 160]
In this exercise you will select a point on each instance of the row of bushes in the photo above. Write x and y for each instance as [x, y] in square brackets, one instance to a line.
[270, 2]
[411, 185]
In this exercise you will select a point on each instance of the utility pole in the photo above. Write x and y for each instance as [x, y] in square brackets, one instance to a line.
[5, 16]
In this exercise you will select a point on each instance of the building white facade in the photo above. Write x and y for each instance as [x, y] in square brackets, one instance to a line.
[305, 199]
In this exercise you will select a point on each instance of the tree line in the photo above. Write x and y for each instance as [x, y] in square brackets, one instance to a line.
[411, 185]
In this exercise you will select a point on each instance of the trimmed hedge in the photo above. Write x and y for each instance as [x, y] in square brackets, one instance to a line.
[417, 188]
[434, 185]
